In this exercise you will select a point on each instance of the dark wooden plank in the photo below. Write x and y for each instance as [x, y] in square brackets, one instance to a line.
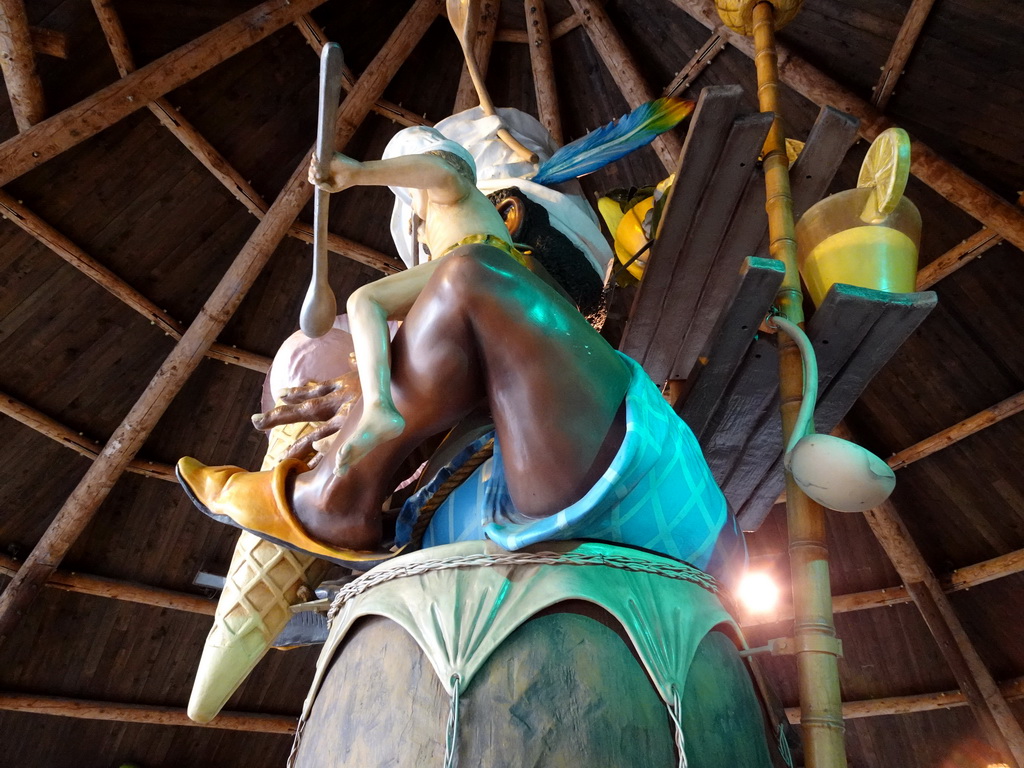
[760, 280]
[715, 111]
[831, 136]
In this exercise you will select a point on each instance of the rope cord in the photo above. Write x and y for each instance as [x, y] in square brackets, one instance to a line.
[787, 755]
[451, 736]
[679, 571]
[675, 711]
[457, 478]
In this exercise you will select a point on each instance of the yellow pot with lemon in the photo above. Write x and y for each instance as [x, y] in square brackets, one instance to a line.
[869, 236]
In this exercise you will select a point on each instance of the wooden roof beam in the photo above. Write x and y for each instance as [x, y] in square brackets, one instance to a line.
[900, 52]
[945, 178]
[216, 163]
[126, 591]
[141, 713]
[49, 42]
[560, 29]
[52, 136]
[129, 437]
[624, 71]
[486, 26]
[543, 66]
[996, 720]
[76, 441]
[28, 221]
[701, 60]
[18, 64]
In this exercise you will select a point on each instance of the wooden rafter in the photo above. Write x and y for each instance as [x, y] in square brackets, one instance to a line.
[77, 442]
[141, 713]
[216, 163]
[561, 29]
[994, 716]
[486, 26]
[126, 591]
[47, 139]
[49, 42]
[543, 67]
[701, 60]
[901, 50]
[624, 71]
[18, 63]
[98, 481]
[945, 178]
[80, 260]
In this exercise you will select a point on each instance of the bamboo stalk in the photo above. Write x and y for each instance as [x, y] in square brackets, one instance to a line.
[900, 52]
[624, 71]
[126, 591]
[701, 60]
[28, 221]
[1012, 690]
[969, 426]
[814, 633]
[560, 29]
[994, 716]
[18, 63]
[141, 713]
[76, 441]
[486, 27]
[949, 181]
[74, 125]
[49, 42]
[95, 486]
[543, 68]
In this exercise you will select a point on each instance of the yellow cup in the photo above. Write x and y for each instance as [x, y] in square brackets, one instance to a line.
[838, 241]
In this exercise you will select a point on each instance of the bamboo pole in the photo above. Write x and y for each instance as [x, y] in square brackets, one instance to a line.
[141, 713]
[543, 67]
[18, 64]
[76, 441]
[994, 716]
[49, 42]
[28, 221]
[126, 591]
[486, 27]
[74, 125]
[969, 426]
[701, 60]
[949, 181]
[624, 71]
[814, 634]
[558, 30]
[98, 481]
[1012, 690]
[900, 52]
[212, 160]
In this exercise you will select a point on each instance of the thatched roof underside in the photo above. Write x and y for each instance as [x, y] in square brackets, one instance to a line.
[129, 196]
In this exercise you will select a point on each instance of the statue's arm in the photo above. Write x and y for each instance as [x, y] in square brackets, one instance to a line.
[443, 182]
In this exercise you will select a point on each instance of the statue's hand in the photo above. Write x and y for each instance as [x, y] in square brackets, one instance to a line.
[338, 177]
[327, 403]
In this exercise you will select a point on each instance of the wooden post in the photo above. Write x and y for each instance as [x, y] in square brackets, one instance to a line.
[901, 50]
[814, 633]
[624, 71]
[18, 63]
[486, 27]
[997, 722]
[49, 42]
[74, 125]
[561, 29]
[98, 481]
[702, 58]
[543, 68]
[945, 178]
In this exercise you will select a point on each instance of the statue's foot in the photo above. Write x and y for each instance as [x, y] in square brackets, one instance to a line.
[258, 502]
[377, 426]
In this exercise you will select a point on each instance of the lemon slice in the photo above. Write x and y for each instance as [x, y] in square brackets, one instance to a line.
[885, 169]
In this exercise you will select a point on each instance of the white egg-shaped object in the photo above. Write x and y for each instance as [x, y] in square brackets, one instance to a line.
[839, 474]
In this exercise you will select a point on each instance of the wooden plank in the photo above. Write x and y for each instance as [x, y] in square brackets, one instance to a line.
[942, 176]
[761, 279]
[709, 129]
[832, 134]
[901, 50]
[543, 67]
[18, 64]
[126, 591]
[701, 60]
[142, 713]
[624, 71]
[98, 481]
[486, 27]
[74, 125]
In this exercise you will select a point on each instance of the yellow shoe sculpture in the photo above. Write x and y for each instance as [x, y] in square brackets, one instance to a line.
[262, 584]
